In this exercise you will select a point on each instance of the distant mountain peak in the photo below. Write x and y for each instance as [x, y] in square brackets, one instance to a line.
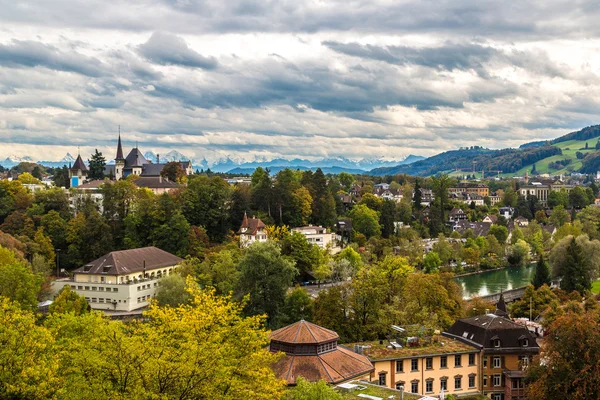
[67, 158]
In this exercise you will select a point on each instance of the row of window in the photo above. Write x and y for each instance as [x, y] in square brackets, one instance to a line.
[98, 300]
[94, 288]
[303, 349]
[414, 362]
[144, 298]
[429, 384]
[146, 287]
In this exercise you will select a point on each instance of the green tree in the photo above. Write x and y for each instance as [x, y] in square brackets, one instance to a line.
[97, 164]
[575, 270]
[88, 238]
[172, 291]
[387, 217]
[346, 180]
[174, 172]
[559, 216]
[306, 256]
[417, 196]
[431, 262]
[298, 305]
[265, 275]
[306, 390]
[173, 236]
[17, 282]
[578, 197]
[499, 232]
[542, 273]
[558, 198]
[352, 256]
[219, 270]
[365, 221]
[68, 301]
[518, 254]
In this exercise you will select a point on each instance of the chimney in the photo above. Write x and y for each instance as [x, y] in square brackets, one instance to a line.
[160, 178]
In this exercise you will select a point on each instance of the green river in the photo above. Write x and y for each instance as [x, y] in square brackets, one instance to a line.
[491, 282]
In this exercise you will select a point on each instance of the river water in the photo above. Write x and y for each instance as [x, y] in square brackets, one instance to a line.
[491, 282]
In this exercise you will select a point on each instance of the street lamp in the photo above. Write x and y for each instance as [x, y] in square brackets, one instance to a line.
[57, 263]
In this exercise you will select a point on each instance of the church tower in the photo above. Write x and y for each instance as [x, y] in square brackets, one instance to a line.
[119, 159]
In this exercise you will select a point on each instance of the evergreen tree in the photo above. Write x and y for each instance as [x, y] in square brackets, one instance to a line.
[97, 164]
[575, 275]
[417, 196]
[542, 273]
[598, 145]
[533, 170]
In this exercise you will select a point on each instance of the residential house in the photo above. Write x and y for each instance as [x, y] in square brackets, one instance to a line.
[457, 214]
[389, 194]
[91, 189]
[319, 236]
[507, 212]
[252, 230]
[426, 197]
[507, 348]
[346, 200]
[381, 186]
[425, 366]
[492, 219]
[496, 197]
[478, 228]
[313, 353]
[123, 280]
[521, 222]
[468, 198]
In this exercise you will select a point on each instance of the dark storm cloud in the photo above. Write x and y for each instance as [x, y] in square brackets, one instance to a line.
[33, 54]
[167, 49]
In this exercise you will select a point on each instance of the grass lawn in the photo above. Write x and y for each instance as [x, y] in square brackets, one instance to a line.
[596, 287]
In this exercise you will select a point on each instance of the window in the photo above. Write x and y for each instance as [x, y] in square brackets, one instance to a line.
[443, 362]
[497, 362]
[414, 364]
[444, 384]
[485, 362]
[496, 342]
[471, 381]
[400, 366]
[115, 289]
[400, 385]
[524, 360]
[100, 300]
[457, 360]
[457, 383]
[429, 386]
[471, 359]
[79, 287]
[101, 289]
[93, 299]
[429, 363]
[497, 380]
[87, 288]
[496, 396]
[485, 381]
[381, 379]
[414, 387]
[525, 342]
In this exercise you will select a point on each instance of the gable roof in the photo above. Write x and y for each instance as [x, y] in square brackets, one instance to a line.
[304, 332]
[251, 225]
[129, 261]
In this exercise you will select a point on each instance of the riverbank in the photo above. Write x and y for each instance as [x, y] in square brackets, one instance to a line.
[485, 283]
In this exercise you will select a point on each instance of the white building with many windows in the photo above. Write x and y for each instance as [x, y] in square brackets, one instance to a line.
[319, 236]
[123, 280]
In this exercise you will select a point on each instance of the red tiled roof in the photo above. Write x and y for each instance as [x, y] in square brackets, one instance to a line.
[333, 367]
[251, 225]
[303, 332]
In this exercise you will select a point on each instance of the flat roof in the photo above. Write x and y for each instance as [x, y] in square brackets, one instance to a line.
[439, 345]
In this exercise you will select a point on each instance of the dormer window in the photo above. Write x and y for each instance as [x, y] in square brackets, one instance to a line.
[87, 268]
[496, 342]
[525, 342]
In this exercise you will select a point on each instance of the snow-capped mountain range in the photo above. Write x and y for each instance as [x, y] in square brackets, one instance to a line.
[240, 165]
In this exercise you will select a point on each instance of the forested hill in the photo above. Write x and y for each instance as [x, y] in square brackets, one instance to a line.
[590, 132]
[505, 160]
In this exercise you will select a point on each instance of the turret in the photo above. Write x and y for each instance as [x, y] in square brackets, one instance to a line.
[119, 159]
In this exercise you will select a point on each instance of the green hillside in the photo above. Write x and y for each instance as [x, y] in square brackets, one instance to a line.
[569, 148]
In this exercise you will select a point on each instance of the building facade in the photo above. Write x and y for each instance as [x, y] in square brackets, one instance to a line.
[543, 188]
[317, 235]
[252, 230]
[470, 188]
[507, 348]
[78, 172]
[123, 280]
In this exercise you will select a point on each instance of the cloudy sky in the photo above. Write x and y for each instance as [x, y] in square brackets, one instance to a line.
[316, 78]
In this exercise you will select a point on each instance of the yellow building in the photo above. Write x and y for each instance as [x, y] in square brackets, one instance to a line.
[425, 367]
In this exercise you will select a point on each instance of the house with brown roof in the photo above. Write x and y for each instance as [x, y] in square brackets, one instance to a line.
[312, 352]
[123, 280]
[78, 172]
[491, 218]
[507, 348]
[252, 230]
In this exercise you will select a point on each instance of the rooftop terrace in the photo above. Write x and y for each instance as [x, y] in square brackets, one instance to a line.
[435, 345]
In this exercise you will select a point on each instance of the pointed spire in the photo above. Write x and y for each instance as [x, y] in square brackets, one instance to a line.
[119, 148]
[245, 220]
[501, 307]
